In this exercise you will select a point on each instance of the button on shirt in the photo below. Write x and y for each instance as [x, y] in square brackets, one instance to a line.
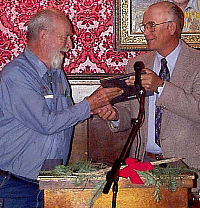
[36, 119]
[171, 61]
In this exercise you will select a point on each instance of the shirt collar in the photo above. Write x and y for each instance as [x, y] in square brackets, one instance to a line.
[38, 65]
[172, 57]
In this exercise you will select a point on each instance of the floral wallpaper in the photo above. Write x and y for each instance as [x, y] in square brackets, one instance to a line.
[93, 33]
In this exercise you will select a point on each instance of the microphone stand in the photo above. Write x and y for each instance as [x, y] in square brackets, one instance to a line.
[113, 175]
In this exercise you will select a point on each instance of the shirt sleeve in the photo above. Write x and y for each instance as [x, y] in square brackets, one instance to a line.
[22, 100]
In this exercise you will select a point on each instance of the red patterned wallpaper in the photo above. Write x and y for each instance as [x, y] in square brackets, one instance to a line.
[93, 38]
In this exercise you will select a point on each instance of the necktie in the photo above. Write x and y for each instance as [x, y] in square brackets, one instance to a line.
[164, 75]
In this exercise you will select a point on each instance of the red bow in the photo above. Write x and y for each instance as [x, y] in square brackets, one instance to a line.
[129, 171]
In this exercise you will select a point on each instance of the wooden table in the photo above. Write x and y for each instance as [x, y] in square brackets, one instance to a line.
[60, 192]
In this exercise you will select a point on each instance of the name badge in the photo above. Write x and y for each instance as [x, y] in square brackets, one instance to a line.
[48, 96]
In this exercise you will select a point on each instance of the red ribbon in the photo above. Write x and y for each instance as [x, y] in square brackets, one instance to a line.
[129, 171]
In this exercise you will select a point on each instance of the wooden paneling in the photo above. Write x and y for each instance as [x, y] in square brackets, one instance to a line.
[103, 145]
[92, 139]
[79, 149]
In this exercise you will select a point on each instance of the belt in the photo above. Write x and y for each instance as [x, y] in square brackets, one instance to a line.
[155, 156]
[4, 173]
[7, 174]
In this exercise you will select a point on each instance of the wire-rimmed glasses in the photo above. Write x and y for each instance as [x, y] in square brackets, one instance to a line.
[150, 26]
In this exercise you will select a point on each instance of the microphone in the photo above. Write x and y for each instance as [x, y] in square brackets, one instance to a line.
[138, 66]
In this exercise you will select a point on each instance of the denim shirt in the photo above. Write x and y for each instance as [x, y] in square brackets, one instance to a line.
[36, 119]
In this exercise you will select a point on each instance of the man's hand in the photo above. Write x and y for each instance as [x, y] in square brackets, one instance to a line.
[150, 81]
[102, 96]
[107, 113]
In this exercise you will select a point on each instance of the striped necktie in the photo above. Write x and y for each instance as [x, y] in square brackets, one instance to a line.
[164, 75]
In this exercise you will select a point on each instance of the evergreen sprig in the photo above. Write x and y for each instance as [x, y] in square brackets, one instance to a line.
[169, 177]
[71, 169]
[96, 193]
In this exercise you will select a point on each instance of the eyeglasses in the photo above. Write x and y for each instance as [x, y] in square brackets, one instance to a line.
[151, 26]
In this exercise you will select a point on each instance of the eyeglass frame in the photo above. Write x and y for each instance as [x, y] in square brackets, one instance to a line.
[152, 26]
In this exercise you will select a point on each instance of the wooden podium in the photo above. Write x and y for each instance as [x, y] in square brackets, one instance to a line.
[60, 192]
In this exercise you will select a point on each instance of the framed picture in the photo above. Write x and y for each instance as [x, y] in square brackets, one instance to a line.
[128, 15]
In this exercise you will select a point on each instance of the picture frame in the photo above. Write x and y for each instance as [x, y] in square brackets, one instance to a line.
[127, 16]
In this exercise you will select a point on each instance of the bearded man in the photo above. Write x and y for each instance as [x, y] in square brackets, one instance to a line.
[37, 114]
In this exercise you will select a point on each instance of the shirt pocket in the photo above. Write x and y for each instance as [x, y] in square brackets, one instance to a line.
[51, 102]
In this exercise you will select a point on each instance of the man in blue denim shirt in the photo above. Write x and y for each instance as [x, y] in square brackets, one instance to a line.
[37, 114]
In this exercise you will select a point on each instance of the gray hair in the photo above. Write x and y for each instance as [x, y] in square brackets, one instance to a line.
[177, 15]
[42, 21]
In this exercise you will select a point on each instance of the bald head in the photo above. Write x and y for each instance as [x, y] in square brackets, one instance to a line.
[44, 20]
[171, 11]
[49, 37]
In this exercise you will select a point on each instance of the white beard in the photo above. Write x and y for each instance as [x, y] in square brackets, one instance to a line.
[57, 61]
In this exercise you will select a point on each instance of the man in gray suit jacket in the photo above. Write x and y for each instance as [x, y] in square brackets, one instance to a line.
[177, 98]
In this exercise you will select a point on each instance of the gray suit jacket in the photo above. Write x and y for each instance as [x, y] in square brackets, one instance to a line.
[180, 128]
